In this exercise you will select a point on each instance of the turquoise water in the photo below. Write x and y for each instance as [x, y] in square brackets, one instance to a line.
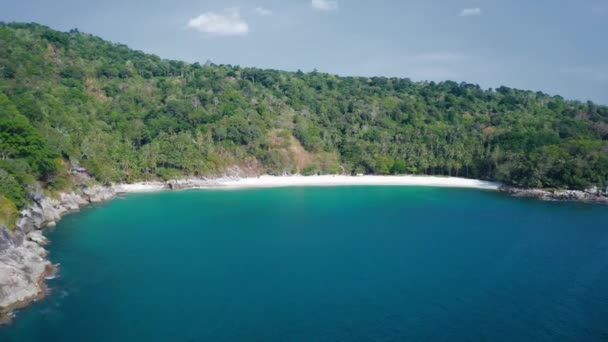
[325, 264]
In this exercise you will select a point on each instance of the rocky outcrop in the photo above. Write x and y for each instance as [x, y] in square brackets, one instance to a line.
[72, 201]
[8, 239]
[43, 212]
[98, 194]
[37, 237]
[194, 183]
[22, 272]
[591, 195]
[23, 263]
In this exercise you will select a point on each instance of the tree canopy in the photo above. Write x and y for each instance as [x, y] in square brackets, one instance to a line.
[73, 98]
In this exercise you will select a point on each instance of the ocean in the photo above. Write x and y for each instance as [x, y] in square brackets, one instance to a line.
[325, 264]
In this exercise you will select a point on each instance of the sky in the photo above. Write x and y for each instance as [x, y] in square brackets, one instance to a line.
[555, 46]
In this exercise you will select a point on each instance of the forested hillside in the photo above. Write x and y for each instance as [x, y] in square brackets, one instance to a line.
[72, 99]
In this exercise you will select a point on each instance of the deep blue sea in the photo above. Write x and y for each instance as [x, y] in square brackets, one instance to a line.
[325, 264]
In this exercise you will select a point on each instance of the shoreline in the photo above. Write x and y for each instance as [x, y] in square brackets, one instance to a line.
[7, 315]
[24, 264]
[592, 195]
[267, 181]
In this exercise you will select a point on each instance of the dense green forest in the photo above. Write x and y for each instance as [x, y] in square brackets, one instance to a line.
[72, 99]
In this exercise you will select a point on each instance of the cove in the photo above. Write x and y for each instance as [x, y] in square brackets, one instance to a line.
[325, 264]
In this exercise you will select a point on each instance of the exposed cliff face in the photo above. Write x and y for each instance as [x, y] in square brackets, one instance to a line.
[23, 263]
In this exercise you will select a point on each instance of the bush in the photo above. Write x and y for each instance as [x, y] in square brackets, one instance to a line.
[11, 189]
[310, 170]
[8, 212]
[168, 173]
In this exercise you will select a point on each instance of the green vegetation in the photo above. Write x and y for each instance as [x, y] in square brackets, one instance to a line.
[8, 212]
[72, 98]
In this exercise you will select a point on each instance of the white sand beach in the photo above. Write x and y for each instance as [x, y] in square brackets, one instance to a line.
[298, 180]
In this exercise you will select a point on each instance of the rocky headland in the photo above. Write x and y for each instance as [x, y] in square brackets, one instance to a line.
[23, 262]
[591, 195]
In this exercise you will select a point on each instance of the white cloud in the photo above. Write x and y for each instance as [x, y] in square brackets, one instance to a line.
[264, 12]
[471, 12]
[226, 23]
[324, 5]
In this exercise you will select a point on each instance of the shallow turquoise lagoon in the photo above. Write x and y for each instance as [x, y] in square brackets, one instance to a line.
[325, 264]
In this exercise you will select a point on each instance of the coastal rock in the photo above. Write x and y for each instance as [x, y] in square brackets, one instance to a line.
[37, 237]
[36, 194]
[200, 183]
[558, 195]
[23, 263]
[72, 201]
[22, 270]
[44, 211]
[140, 187]
[52, 210]
[180, 184]
[592, 190]
[30, 219]
[97, 194]
[6, 239]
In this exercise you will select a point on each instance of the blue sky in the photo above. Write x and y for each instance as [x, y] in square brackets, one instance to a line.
[556, 46]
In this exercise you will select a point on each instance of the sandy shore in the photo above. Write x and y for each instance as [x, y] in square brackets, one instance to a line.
[328, 180]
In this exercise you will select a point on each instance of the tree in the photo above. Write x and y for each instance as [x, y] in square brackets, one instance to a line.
[126, 115]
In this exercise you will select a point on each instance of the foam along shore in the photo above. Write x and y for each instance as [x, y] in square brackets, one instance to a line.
[298, 180]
